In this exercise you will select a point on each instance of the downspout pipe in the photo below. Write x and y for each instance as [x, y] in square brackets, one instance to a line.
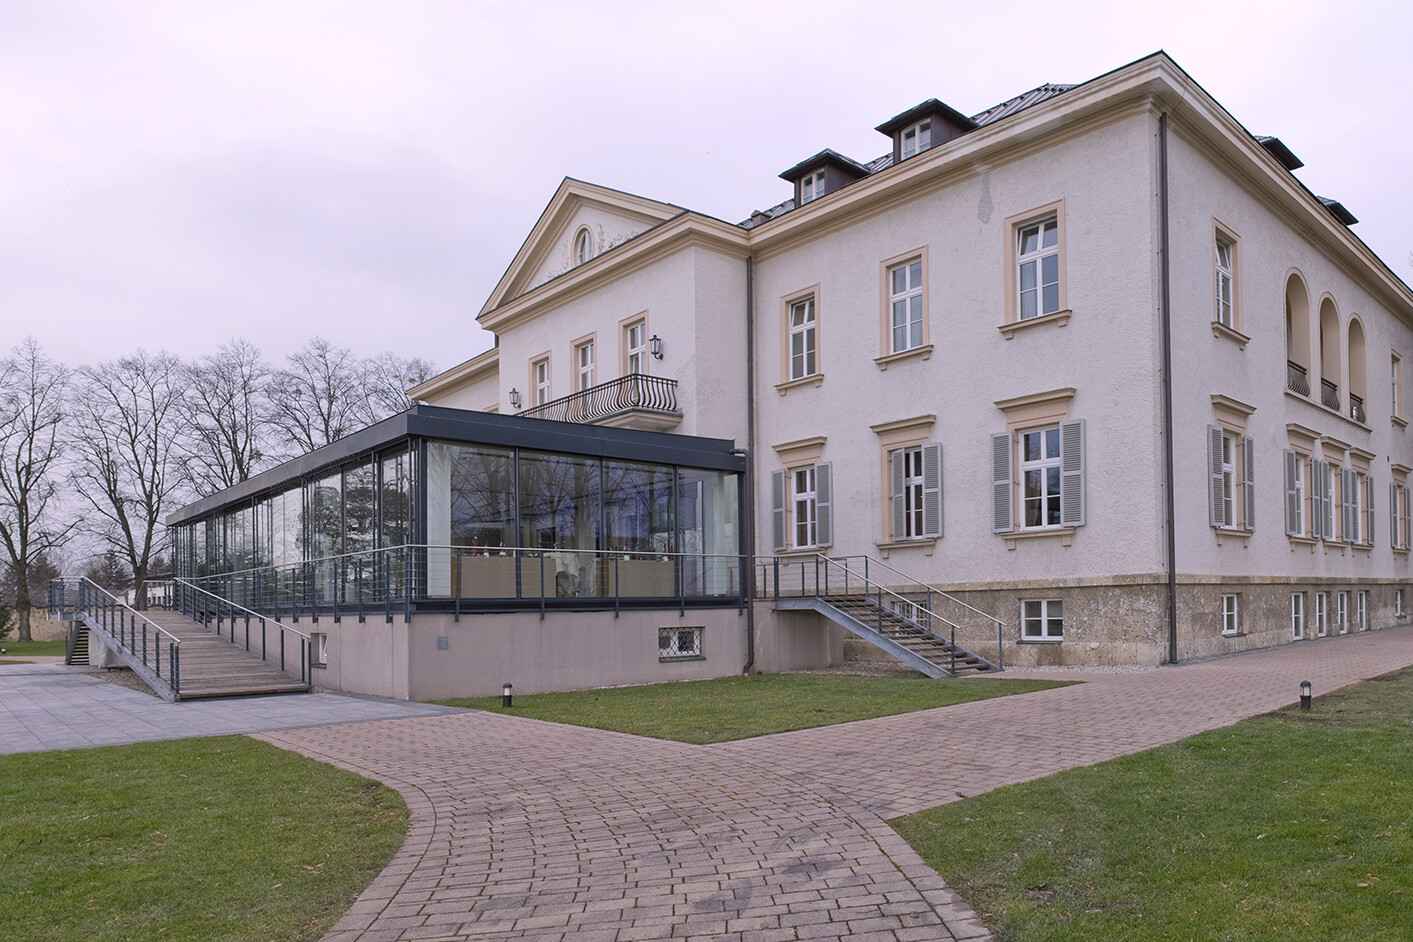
[748, 582]
[1169, 510]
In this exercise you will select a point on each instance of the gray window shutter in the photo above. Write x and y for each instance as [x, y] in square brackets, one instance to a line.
[1393, 515]
[777, 509]
[1348, 508]
[1002, 519]
[1292, 497]
[1369, 510]
[1072, 473]
[1326, 501]
[896, 463]
[1248, 482]
[824, 504]
[1214, 469]
[1408, 517]
[932, 489]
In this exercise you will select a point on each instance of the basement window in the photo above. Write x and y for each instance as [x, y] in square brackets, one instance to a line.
[679, 644]
[1042, 620]
[318, 649]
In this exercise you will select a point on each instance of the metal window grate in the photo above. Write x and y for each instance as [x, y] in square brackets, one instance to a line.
[679, 643]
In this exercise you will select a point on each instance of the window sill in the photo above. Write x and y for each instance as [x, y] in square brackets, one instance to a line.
[1224, 533]
[1064, 534]
[814, 379]
[1233, 634]
[1295, 541]
[1399, 421]
[1400, 551]
[927, 544]
[685, 657]
[1040, 640]
[319, 666]
[1327, 410]
[1362, 549]
[1222, 330]
[1059, 319]
[924, 351]
[801, 552]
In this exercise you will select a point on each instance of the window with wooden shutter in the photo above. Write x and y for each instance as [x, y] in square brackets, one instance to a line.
[777, 510]
[1291, 463]
[897, 473]
[1218, 475]
[824, 504]
[1002, 492]
[1369, 509]
[1072, 473]
[1404, 516]
[1348, 508]
[1393, 515]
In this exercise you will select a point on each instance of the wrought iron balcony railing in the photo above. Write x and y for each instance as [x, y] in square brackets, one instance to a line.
[636, 391]
[1296, 379]
[1356, 409]
[1329, 394]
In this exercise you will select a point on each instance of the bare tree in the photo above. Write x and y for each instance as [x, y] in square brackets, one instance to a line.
[316, 399]
[128, 418]
[386, 379]
[32, 400]
[224, 441]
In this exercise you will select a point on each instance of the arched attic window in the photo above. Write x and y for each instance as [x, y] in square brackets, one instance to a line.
[583, 246]
[1329, 354]
[1358, 372]
[1297, 336]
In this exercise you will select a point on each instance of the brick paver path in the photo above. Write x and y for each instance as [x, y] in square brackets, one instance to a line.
[529, 830]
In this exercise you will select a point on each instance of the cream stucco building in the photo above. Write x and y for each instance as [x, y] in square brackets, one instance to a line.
[1089, 377]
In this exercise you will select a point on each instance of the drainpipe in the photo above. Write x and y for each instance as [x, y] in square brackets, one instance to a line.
[1168, 474]
[749, 581]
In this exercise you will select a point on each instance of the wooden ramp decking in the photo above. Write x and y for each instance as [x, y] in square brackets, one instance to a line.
[213, 667]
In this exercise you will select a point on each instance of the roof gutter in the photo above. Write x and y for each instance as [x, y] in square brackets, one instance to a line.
[1169, 510]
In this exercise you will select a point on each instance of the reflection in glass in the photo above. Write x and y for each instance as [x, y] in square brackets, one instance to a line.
[559, 513]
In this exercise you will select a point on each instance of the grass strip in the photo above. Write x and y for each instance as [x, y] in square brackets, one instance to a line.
[1286, 826]
[34, 648]
[197, 839]
[707, 711]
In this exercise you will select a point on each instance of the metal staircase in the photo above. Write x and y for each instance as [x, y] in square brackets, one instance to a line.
[902, 620]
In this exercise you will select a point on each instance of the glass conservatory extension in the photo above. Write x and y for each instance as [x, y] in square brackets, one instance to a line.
[444, 510]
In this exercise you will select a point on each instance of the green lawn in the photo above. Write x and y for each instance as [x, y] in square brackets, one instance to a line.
[33, 648]
[1287, 826]
[197, 839]
[706, 711]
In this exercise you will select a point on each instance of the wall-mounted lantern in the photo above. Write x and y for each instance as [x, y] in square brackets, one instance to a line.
[655, 346]
[514, 398]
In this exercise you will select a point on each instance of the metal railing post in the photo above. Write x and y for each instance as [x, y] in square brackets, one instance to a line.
[954, 652]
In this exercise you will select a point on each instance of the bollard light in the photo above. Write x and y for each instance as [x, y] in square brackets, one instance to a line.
[1305, 695]
[505, 695]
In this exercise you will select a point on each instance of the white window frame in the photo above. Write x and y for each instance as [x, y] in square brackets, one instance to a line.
[1398, 610]
[541, 368]
[319, 649]
[583, 246]
[585, 360]
[811, 187]
[1228, 471]
[1395, 385]
[1322, 614]
[1342, 612]
[804, 501]
[1042, 466]
[1042, 620]
[1034, 260]
[1225, 314]
[635, 342]
[1297, 615]
[1361, 610]
[912, 514]
[1231, 614]
[804, 361]
[1297, 465]
[916, 138]
[905, 297]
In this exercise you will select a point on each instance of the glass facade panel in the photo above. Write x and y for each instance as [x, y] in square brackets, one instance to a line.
[638, 528]
[560, 515]
[325, 535]
[708, 532]
[470, 503]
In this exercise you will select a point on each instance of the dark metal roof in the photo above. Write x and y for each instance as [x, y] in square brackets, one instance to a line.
[822, 158]
[918, 112]
[1278, 150]
[485, 428]
[991, 115]
[1338, 211]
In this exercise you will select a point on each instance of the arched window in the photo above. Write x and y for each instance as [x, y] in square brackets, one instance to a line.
[583, 247]
[1329, 354]
[1297, 335]
[1358, 374]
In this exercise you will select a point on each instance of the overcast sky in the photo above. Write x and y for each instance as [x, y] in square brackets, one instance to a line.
[173, 174]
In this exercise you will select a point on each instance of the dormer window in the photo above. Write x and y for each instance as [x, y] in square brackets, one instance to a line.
[917, 139]
[583, 247]
[812, 186]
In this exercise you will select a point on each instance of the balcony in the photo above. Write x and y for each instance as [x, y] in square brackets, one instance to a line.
[1296, 379]
[1356, 409]
[633, 401]
[1329, 394]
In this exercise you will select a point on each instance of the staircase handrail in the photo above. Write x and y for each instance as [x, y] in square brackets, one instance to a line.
[233, 611]
[875, 561]
[838, 561]
[120, 622]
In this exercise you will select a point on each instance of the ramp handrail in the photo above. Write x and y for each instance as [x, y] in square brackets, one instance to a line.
[822, 590]
[201, 605]
[133, 631]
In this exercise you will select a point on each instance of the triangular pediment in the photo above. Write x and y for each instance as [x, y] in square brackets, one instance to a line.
[611, 218]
